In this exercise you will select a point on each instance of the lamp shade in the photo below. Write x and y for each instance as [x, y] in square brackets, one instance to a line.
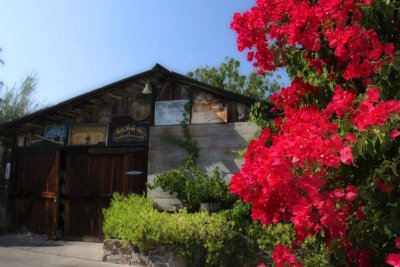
[148, 89]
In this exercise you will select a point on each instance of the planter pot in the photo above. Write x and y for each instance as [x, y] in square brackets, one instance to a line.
[210, 206]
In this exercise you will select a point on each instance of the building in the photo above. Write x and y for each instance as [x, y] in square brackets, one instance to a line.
[64, 162]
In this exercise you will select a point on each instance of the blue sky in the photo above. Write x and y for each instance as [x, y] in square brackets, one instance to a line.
[75, 46]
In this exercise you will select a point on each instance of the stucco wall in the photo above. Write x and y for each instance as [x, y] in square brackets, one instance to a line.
[217, 145]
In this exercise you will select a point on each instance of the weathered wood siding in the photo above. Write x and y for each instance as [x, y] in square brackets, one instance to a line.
[217, 144]
[91, 178]
[33, 196]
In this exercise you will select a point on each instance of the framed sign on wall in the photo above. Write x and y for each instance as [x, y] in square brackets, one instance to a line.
[88, 134]
[128, 134]
[209, 111]
[169, 112]
[56, 133]
[53, 134]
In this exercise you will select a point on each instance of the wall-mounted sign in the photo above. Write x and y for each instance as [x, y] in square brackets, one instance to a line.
[242, 112]
[89, 134]
[104, 115]
[128, 134]
[140, 109]
[20, 140]
[209, 111]
[8, 170]
[169, 112]
[54, 134]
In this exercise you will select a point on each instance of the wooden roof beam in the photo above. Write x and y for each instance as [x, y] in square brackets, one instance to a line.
[24, 129]
[108, 100]
[65, 113]
[56, 117]
[78, 110]
[97, 101]
[74, 112]
[115, 96]
[31, 125]
[88, 106]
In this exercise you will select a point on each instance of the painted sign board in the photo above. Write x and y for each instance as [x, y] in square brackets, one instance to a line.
[56, 133]
[169, 112]
[88, 134]
[209, 111]
[53, 134]
[104, 115]
[125, 134]
[140, 109]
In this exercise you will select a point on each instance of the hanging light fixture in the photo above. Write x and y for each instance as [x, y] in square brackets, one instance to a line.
[148, 89]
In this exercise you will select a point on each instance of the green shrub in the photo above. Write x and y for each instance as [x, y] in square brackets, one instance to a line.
[206, 240]
[226, 238]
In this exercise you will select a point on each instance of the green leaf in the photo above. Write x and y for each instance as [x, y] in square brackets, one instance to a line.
[338, 251]
[359, 148]
[368, 147]
[384, 142]
[394, 168]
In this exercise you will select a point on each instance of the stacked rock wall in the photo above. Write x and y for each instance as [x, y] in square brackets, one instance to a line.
[115, 251]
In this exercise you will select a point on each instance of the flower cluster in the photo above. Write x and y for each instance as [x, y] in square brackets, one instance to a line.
[373, 112]
[341, 103]
[287, 180]
[283, 257]
[394, 258]
[369, 112]
[273, 25]
[286, 173]
[304, 170]
[290, 98]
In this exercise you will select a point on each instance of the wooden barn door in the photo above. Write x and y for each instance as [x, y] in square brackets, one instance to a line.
[91, 178]
[34, 191]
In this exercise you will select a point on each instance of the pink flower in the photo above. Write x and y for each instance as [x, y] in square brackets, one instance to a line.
[359, 214]
[341, 103]
[373, 94]
[370, 114]
[250, 56]
[393, 259]
[394, 134]
[387, 188]
[397, 242]
[351, 138]
[351, 192]
[283, 257]
[346, 156]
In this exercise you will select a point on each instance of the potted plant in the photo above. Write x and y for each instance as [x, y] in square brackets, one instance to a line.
[197, 190]
[210, 191]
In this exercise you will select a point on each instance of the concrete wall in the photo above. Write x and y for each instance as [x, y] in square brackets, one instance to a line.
[217, 145]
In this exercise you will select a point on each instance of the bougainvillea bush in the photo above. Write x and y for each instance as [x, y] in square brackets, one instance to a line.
[330, 162]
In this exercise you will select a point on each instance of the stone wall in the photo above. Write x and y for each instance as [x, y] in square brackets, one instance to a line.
[116, 252]
[218, 145]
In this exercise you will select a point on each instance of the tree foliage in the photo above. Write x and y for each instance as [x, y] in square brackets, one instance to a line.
[18, 101]
[329, 164]
[228, 76]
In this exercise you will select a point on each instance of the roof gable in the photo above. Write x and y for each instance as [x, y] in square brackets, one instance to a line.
[117, 90]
